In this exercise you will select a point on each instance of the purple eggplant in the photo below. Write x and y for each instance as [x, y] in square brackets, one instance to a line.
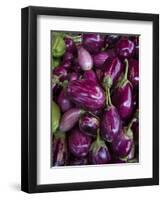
[85, 59]
[135, 39]
[111, 122]
[99, 75]
[111, 53]
[70, 118]
[133, 74]
[134, 124]
[89, 124]
[86, 93]
[66, 64]
[90, 75]
[125, 48]
[123, 143]
[123, 96]
[68, 56]
[135, 99]
[112, 71]
[99, 152]
[93, 42]
[59, 149]
[73, 76]
[79, 161]
[79, 143]
[110, 40]
[63, 102]
[61, 73]
[99, 59]
[70, 45]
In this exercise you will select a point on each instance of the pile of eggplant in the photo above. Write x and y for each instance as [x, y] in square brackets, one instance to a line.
[95, 93]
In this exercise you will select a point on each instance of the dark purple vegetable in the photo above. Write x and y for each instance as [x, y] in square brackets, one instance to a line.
[134, 124]
[79, 143]
[112, 71]
[59, 150]
[93, 42]
[68, 56]
[99, 59]
[73, 76]
[99, 75]
[123, 96]
[70, 45]
[99, 153]
[61, 72]
[125, 48]
[133, 74]
[63, 102]
[86, 93]
[89, 124]
[123, 143]
[84, 59]
[111, 122]
[66, 64]
[110, 40]
[112, 53]
[70, 118]
[135, 39]
[90, 75]
[79, 161]
[135, 99]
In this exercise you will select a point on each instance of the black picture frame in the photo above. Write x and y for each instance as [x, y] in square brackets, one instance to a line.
[29, 98]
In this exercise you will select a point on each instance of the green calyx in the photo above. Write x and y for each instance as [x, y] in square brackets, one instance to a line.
[107, 82]
[55, 62]
[108, 97]
[56, 115]
[58, 47]
[98, 143]
[75, 38]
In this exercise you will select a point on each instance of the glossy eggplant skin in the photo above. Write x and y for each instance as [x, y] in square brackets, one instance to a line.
[68, 56]
[99, 59]
[59, 149]
[110, 124]
[112, 71]
[122, 144]
[89, 124]
[93, 42]
[122, 98]
[79, 143]
[90, 75]
[86, 93]
[99, 154]
[63, 102]
[133, 74]
[61, 72]
[125, 48]
[84, 59]
[69, 119]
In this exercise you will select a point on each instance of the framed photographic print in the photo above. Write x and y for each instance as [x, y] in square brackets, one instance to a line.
[90, 99]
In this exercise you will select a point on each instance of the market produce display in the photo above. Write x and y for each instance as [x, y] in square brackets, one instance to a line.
[95, 98]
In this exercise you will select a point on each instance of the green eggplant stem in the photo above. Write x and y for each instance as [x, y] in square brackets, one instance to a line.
[108, 97]
[76, 39]
[98, 135]
[126, 70]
